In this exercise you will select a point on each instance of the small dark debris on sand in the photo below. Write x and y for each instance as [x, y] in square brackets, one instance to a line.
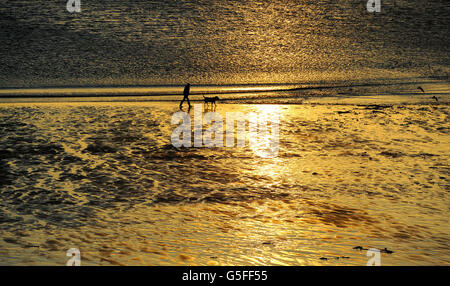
[385, 250]
[377, 106]
[335, 257]
[393, 154]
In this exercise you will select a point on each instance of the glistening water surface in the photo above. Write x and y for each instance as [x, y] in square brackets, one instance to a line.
[363, 151]
[219, 42]
[105, 178]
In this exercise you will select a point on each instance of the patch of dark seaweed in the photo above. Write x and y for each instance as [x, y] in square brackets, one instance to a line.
[392, 154]
[5, 176]
[397, 154]
[377, 106]
[99, 148]
[339, 216]
[423, 155]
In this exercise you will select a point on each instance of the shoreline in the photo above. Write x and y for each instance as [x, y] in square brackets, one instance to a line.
[360, 100]
[384, 93]
[198, 90]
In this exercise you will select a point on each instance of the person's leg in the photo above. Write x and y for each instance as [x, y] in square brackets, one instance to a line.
[189, 103]
[181, 103]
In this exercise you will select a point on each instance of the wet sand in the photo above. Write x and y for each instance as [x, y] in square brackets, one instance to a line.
[103, 177]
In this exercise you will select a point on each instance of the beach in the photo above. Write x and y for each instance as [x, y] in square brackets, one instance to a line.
[104, 177]
[99, 166]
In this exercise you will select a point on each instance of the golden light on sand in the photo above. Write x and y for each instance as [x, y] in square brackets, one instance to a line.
[264, 140]
[318, 129]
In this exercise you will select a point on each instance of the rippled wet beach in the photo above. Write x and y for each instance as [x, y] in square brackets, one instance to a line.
[86, 160]
[104, 177]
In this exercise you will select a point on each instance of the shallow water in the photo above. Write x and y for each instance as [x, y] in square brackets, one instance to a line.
[363, 154]
[104, 177]
[132, 42]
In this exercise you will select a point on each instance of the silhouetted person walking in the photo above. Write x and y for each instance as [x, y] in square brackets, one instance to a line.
[187, 88]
